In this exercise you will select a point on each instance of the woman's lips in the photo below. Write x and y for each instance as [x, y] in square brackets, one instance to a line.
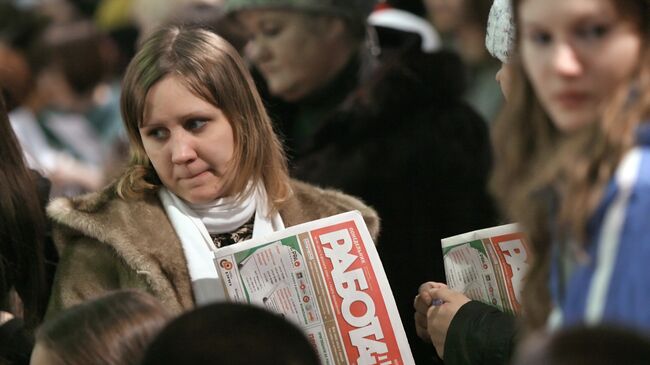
[194, 176]
[571, 99]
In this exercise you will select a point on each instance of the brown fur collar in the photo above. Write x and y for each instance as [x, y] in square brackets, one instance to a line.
[142, 236]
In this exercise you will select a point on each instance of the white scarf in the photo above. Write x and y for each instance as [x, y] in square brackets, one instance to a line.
[223, 215]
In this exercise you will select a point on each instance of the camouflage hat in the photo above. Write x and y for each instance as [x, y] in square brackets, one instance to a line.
[352, 9]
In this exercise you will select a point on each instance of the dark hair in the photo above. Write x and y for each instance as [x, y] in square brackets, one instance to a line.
[600, 345]
[232, 334]
[111, 330]
[477, 12]
[22, 229]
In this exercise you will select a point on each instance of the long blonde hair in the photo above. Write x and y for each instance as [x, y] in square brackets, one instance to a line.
[534, 161]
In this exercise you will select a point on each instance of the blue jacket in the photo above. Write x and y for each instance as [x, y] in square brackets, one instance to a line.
[611, 283]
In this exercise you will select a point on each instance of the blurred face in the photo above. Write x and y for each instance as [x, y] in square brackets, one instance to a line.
[575, 54]
[53, 86]
[444, 14]
[188, 140]
[294, 52]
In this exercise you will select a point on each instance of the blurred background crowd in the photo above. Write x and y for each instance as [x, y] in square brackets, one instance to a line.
[340, 103]
[390, 101]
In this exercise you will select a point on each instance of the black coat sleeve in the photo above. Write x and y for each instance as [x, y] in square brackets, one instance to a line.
[480, 334]
[15, 343]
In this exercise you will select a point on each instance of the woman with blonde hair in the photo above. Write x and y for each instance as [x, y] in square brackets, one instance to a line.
[206, 170]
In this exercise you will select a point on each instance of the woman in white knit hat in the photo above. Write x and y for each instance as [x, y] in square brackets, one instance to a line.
[572, 150]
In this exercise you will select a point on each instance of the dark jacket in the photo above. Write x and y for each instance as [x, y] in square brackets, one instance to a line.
[480, 334]
[407, 144]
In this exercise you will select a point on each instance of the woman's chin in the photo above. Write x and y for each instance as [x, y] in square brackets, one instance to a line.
[200, 196]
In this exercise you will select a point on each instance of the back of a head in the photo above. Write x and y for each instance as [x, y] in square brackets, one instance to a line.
[110, 330]
[600, 345]
[232, 334]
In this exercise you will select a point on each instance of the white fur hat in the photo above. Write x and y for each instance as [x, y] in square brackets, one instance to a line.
[500, 34]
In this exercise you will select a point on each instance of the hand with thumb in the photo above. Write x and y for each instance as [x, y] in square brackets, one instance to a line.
[439, 316]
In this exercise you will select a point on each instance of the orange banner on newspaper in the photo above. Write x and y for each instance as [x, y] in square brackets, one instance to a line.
[361, 312]
[512, 252]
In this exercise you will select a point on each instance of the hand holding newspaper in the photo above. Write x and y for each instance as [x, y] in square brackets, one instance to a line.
[488, 265]
[326, 277]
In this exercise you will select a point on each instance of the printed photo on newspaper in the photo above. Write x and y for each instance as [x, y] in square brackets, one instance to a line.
[325, 276]
[488, 265]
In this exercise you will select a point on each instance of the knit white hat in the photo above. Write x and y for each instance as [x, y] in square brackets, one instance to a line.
[500, 34]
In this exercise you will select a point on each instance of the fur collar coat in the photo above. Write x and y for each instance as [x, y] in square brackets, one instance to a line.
[107, 243]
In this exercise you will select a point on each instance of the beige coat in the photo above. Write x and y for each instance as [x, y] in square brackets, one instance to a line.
[107, 243]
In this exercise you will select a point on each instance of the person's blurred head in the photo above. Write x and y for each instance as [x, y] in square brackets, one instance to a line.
[110, 330]
[19, 28]
[299, 46]
[15, 76]
[600, 345]
[576, 53]
[68, 65]
[231, 334]
[186, 146]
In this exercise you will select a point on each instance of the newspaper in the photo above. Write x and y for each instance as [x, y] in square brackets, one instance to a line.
[326, 277]
[488, 265]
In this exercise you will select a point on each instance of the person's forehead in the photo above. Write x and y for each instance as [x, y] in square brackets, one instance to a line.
[263, 14]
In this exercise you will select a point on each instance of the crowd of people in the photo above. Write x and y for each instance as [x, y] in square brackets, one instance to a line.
[140, 137]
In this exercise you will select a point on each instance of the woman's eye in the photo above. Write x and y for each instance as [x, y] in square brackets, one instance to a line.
[195, 124]
[540, 38]
[593, 32]
[271, 30]
[158, 133]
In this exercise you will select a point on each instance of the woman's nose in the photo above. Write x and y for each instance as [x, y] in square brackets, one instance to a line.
[566, 61]
[183, 150]
[256, 51]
